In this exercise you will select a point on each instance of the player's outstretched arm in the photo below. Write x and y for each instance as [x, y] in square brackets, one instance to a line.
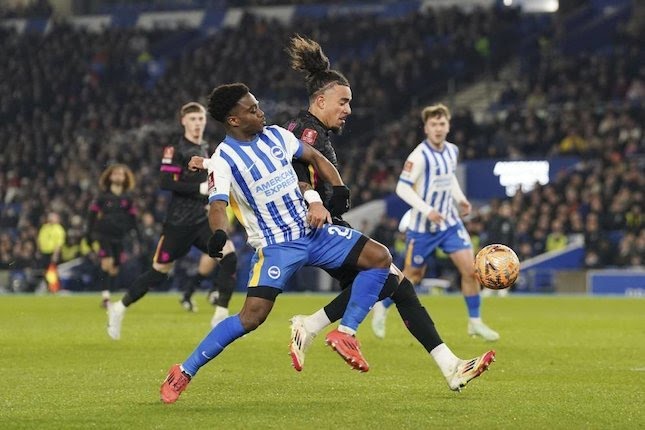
[340, 200]
[217, 219]
[323, 166]
[218, 222]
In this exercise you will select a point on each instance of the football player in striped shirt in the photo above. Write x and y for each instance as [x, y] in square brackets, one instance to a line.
[429, 185]
[252, 171]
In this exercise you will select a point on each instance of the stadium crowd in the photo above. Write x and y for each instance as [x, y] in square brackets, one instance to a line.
[114, 97]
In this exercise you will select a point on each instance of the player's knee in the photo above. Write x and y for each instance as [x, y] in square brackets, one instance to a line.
[381, 256]
[162, 267]
[257, 306]
[468, 274]
[413, 275]
[252, 318]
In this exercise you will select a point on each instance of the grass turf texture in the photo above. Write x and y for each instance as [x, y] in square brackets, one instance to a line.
[562, 362]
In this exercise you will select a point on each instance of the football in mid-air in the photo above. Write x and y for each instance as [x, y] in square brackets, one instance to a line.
[497, 266]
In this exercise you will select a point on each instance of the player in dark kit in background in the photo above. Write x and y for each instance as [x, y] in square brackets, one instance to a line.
[112, 216]
[329, 106]
[186, 221]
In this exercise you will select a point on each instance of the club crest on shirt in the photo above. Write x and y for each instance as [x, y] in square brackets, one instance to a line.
[168, 153]
[211, 183]
[407, 167]
[309, 136]
[277, 153]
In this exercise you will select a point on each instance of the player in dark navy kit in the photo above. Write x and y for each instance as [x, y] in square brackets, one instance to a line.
[112, 216]
[329, 106]
[186, 221]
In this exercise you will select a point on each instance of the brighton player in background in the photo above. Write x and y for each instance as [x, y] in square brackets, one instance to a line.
[330, 96]
[251, 169]
[186, 221]
[429, 185]
[112, 216]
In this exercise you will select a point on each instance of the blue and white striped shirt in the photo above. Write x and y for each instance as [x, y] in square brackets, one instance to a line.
[431, 174]
[262, 185]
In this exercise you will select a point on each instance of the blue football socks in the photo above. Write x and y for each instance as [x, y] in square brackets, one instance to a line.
[365, 291]
[387, 302]
[473, 304]
[219, 337]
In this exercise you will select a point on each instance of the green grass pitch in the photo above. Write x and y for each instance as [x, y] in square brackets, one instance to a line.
[562, 362]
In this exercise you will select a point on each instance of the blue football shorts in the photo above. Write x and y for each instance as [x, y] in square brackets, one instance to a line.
[420, 246]
[328, 247]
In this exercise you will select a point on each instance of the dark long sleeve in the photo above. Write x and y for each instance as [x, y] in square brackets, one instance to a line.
[168, 183]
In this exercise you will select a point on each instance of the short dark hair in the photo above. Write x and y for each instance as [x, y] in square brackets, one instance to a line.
[223, 98]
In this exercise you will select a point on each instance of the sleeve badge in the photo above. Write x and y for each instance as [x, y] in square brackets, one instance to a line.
[168, 153]
[309, 135]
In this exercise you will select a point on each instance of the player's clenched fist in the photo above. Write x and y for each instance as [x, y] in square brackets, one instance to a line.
[196, 163]
[216, 243]
[318, 215]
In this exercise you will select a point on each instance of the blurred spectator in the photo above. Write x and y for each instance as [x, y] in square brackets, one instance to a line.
[501, 227]
[573, 143]
[556, 240]
[634, 218]
[385, 231]
[597, 245]
[51, 238]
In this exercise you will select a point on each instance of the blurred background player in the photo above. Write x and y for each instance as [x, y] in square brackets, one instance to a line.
[330, 96]
[186, 221]
[112, 216]
[428, 184]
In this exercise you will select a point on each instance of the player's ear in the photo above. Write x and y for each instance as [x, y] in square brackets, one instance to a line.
[233, 121]
[320, 101]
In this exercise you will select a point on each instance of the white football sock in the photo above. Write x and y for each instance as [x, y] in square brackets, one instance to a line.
[118, 306]
[221, 311]
[345, 329]
[445, 359]
[317, 321]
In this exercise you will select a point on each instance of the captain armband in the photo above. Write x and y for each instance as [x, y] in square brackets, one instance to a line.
[312, 196]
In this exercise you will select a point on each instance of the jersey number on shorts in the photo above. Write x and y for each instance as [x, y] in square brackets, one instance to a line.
[463, 234]
[341, 231]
